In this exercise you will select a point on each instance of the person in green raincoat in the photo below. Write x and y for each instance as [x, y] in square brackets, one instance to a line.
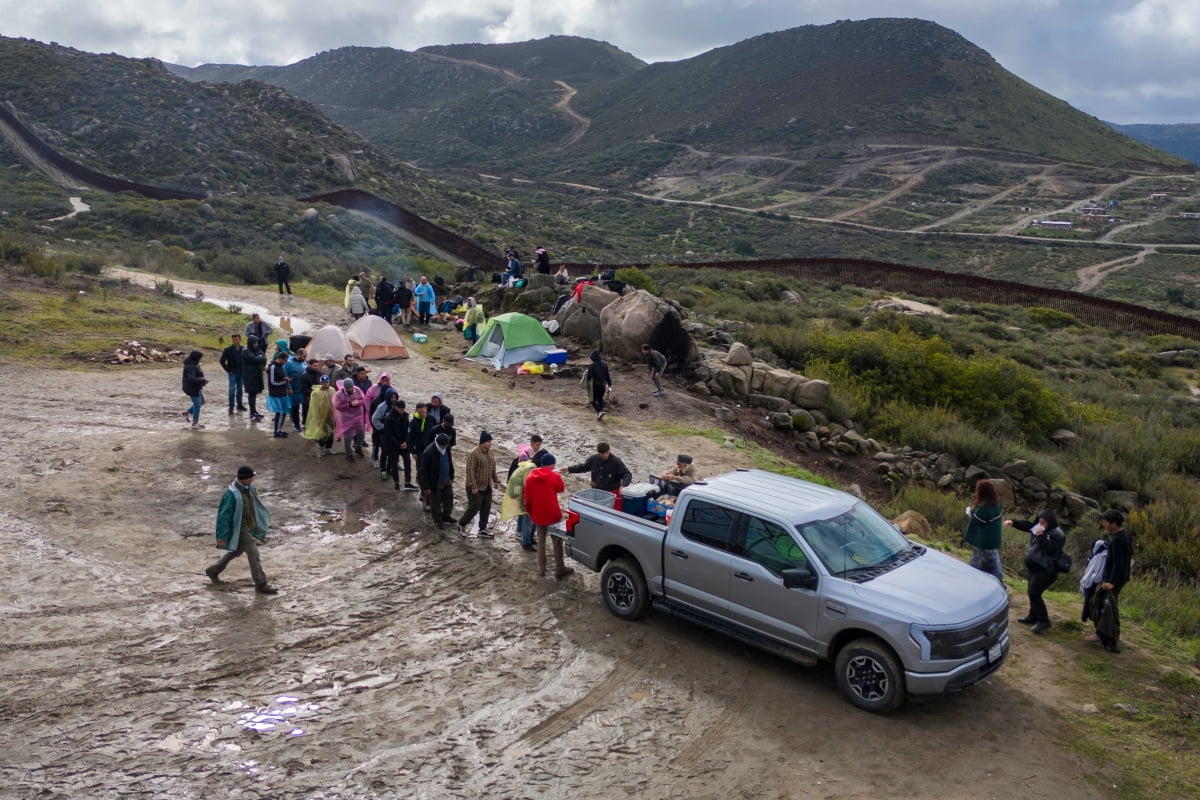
[473, 320]
[513, 503]
[242, 523]
[319, 425]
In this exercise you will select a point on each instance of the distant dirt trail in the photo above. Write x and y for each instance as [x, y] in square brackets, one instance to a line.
[988, 202]
[563, 106]
[1091, 276]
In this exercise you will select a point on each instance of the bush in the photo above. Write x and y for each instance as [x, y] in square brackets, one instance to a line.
[1167, 531]
[943, 510]
[1050, 318]
[638, 279]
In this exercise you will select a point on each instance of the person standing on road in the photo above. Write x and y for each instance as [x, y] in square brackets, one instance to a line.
[193, 386]
[598, 381]
[657, 363]
[1116, 574]
[393, 440]
[481, 478]
[319, 424]
[358, 303]
[607, 471]
[294, 368]
[283, 275]
[513, 503]
[260, 329]
[310, 380]
[436, 409]
[435, 476]
[1046, 542]
[385, 299]
[350, 415]
[426, 299]
[279, 393]
[984, 530]
[242, 523]
[253, 361]
[231, 362]
[346, 370]
[542, 488]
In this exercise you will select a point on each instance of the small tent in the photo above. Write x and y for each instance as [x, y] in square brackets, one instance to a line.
[372, 337]
[329, 341]
[509, 339]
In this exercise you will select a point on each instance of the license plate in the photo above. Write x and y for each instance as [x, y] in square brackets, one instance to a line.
[994, 653]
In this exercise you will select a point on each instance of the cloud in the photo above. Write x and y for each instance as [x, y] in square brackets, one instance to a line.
[1127, 60]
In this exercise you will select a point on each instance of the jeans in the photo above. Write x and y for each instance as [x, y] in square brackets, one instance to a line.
[197, 401]
[1038, 583]
[478, 503]
[525, 528]
[235, 390]
[249, 545]
[987, 561]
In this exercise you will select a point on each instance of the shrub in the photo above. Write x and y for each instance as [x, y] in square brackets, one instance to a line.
[1167, 530]
[1050, 318]
[943, 510]
[638, 279]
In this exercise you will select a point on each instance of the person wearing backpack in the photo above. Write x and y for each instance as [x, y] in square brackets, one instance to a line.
[1046, 541]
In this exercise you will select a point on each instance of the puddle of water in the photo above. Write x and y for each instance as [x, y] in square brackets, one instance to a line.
[289, 324]
[280, 717]
[345, 521]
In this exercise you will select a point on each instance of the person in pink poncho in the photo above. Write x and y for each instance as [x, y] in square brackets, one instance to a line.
[350, 417]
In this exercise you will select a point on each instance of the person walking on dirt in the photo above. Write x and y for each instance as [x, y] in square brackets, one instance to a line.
[279, 393]
[393, 441]
[231, 362]
[283, 276]
[319, 424]
[346, 370]
[435, 476]
[242, 523]
[350, 415]
[436, 409]
[984, 529]
[598, 383]
[607, 471]
[542, 488]
[657, 363]
[193, 386]
[258, 328]
[253, 361]
[481, 478]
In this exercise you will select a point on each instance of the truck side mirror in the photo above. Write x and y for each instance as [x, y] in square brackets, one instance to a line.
[799, 578]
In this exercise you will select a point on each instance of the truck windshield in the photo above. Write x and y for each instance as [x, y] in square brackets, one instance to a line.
[859, 539]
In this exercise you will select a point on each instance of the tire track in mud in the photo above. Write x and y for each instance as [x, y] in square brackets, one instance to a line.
[700, 749]
[565, 719]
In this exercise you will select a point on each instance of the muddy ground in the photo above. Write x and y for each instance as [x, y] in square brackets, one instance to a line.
[399, 661]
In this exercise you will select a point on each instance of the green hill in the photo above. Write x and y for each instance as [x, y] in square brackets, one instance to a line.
[1181, 139]
[573, 59]
[892, 81]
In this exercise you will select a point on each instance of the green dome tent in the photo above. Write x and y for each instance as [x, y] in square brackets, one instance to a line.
[510, 339]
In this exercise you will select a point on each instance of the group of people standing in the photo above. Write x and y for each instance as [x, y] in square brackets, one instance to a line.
[1107, 571]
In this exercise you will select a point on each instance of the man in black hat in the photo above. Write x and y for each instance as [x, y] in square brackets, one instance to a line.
[242, 523]
[683, 472]
[481, 477]
[435, 476]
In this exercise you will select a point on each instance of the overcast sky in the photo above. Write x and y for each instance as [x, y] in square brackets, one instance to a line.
[1121, 60]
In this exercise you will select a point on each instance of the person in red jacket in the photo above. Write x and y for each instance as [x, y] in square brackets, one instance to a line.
[542, 488]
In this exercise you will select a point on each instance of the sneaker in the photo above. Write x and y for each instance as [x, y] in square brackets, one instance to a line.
[328, 451]
[486, 535]
[658, 394]
[281, 434]
[241, 408]
[297, 429]
[397, 489]
[599, 416]
[383, 476]
[462, 529]
[1027, 620]
[374, 464]
[358, 452]
[529, 548]
[186, 414]
[231, 409]
[257, 417]
[213, 575]
[408, 487]
[266, 589]
[1041, 627]
[350, 458]
[197, 427]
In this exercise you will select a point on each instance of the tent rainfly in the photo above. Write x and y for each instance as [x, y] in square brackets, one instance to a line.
[509, 339]
[329, 342]
[372, 338]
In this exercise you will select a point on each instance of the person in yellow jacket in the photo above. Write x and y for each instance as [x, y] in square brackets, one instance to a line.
[513, 503]
[473, 320]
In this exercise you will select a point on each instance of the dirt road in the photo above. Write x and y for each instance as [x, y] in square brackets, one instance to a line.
[399, 661]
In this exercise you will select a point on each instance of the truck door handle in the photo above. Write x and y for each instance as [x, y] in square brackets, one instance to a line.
[679, 554]
[743, 577]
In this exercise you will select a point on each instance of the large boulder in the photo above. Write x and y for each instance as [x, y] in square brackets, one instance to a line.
[535, 300]
[781, 383]
[739, 355]
[579, 322]
[914, 523]
[812, 394]
[641, 318]
[539, 281]
[597, 298]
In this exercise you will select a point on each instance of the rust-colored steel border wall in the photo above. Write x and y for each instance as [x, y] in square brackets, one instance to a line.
[86, 174]
[358, 200]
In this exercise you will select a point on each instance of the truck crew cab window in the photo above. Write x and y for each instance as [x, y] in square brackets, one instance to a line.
[708, 524]
[772, 546]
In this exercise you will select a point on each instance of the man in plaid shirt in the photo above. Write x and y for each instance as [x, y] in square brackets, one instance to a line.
[481, 477]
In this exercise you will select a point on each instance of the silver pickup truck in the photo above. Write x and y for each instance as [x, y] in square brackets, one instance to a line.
[804, 571]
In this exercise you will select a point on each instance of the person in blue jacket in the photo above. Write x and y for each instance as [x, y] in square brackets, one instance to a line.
[426, 299]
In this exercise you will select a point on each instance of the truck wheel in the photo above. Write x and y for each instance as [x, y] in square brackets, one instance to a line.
[870, 676]
[624, 589]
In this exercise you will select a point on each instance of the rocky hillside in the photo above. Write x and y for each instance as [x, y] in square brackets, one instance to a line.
[135, 120]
